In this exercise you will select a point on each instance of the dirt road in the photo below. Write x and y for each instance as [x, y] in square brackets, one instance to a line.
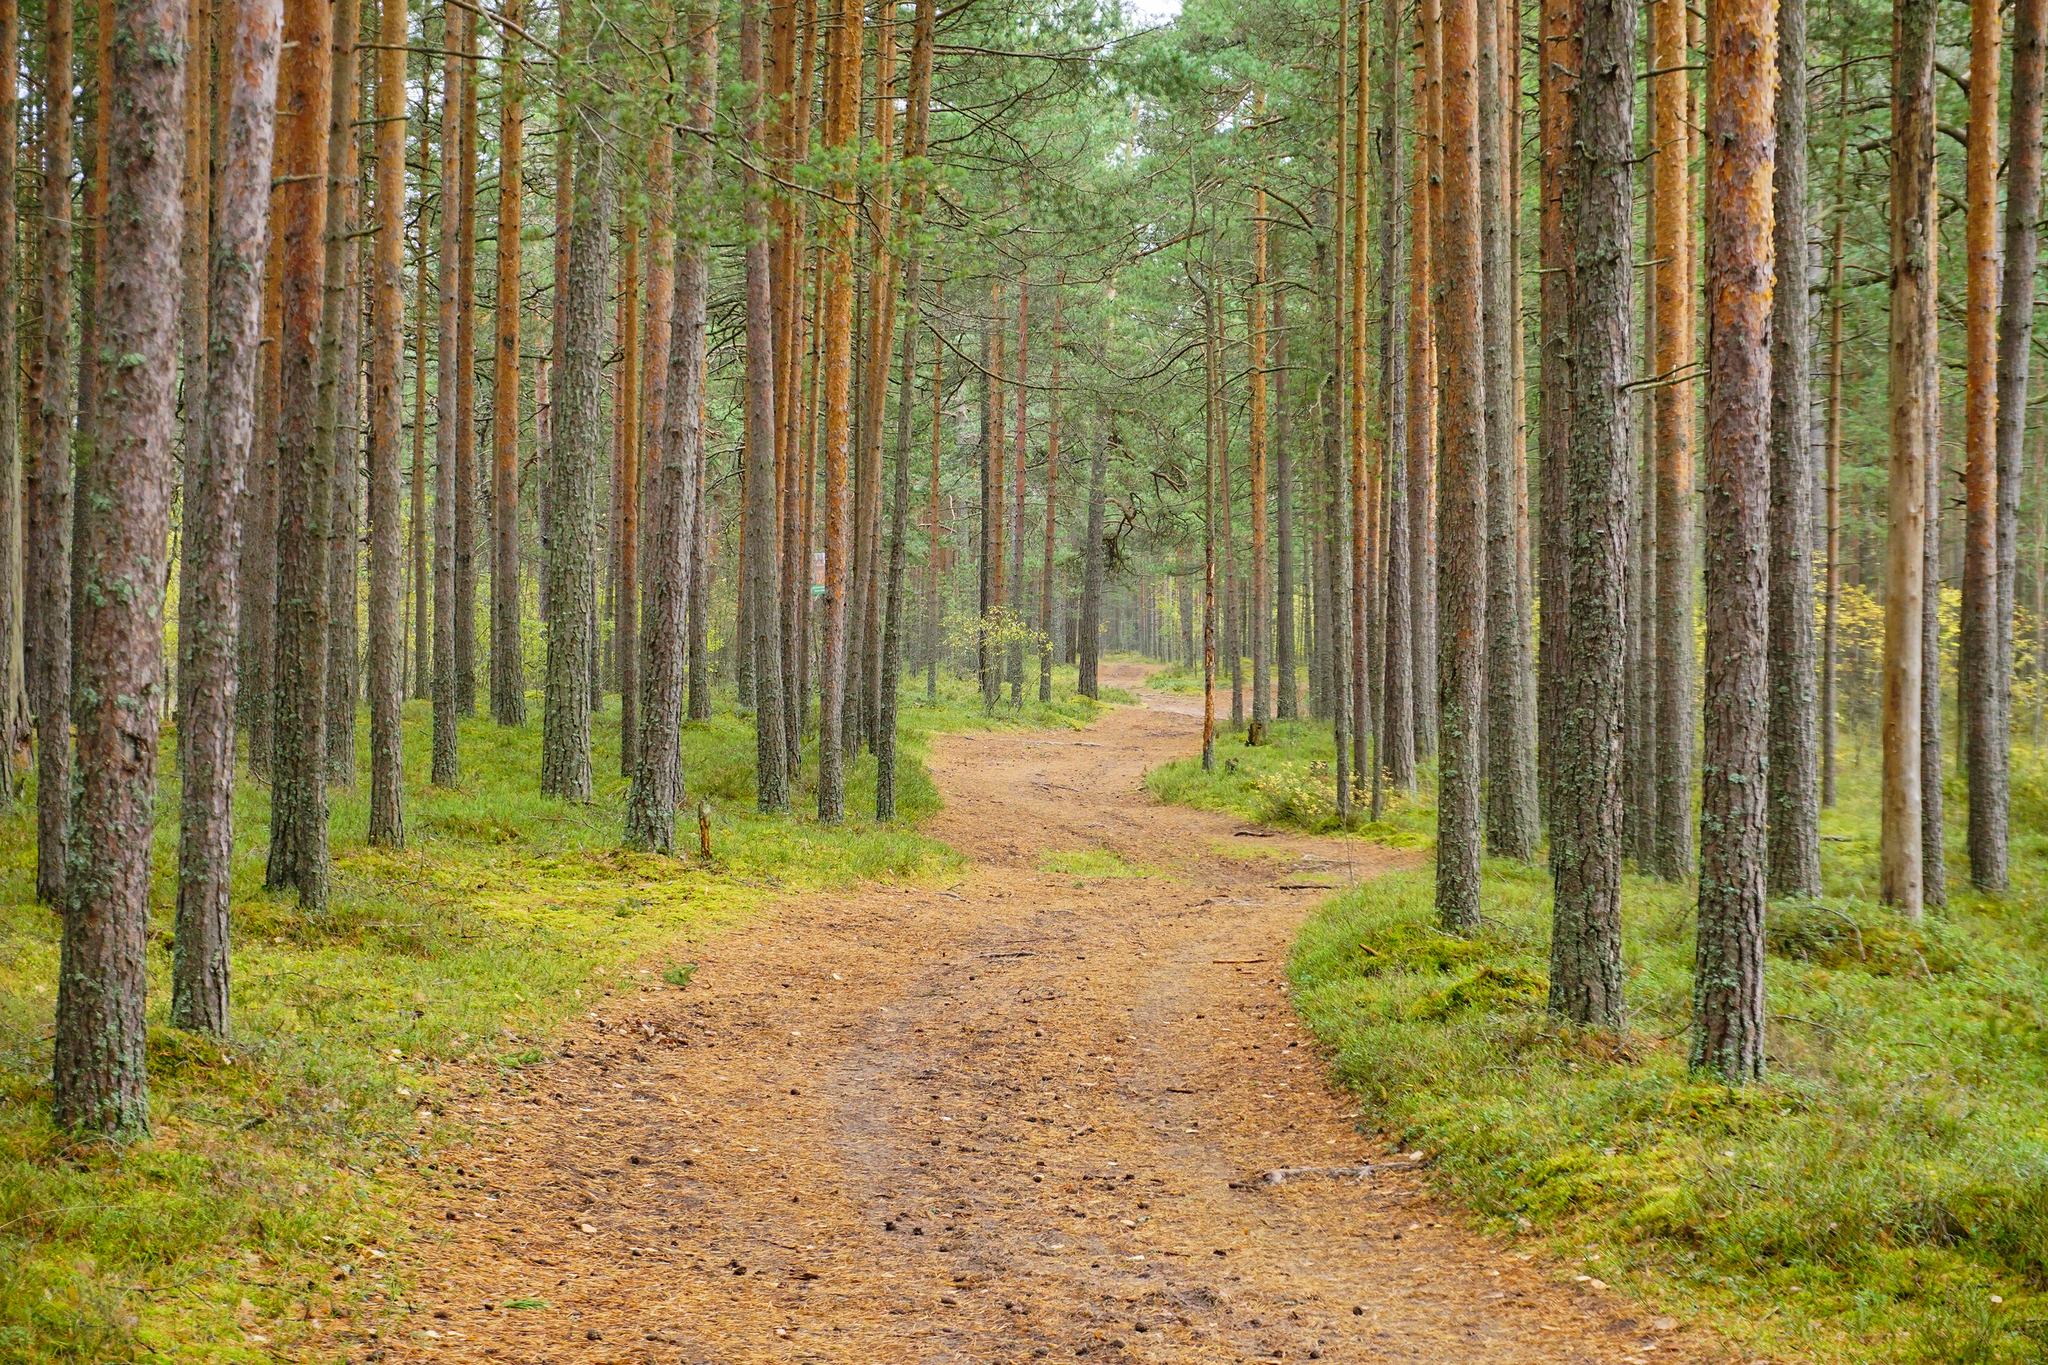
[1019, 1117]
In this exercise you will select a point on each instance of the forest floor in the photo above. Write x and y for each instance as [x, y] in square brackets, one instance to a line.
[1019, 1112]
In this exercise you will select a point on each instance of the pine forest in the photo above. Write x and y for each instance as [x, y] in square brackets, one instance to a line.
[713, 680]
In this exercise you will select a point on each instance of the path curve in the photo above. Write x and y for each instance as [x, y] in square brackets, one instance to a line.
[1020, 1117]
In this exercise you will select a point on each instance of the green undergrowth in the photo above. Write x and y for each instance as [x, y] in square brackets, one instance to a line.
[265, 1192]
[1291, 781]
[1883, 1196]
[959, 706]
[1090, 864]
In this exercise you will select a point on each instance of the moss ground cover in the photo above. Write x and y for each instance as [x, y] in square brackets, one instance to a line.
[267, 1183]
[1883, 1197]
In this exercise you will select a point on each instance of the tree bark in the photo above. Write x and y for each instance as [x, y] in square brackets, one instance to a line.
[1211, 453]
[1088, 667]
[1422, 396]
[508, 664]
[465, 382]
[256, 696]
[1255, 308]
[1728, 960]
[673, 491]
[422, 617]
[1792, 777]
[1461, 486]
[1510, 742]
[48, 558]
[99, 1082]
[1052, 493]
[1397, 709]
[842, 119]
[625, 527]
[762, 585]
[1672, 250]
[448, 364]
[209, 595]
[1287, 698]
[1979, 682]
[1594, 217]
[1363, 677]
[1990, 777]
[1933, 824]
[1912, 317]
[307, 164]
[1557, 75]
[15, 716]
[1830, 664]
[579, 451]
[387, 418]
[344, 564]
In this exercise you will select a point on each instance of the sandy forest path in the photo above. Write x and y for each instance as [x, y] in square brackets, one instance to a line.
[1020, 1117]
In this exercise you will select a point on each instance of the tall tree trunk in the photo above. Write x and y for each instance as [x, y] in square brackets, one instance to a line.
[15, 717]
[1397, 710]
[579, 450]
[626, 507]
[842, 119]
[1933, 825]
[673, 492]
[307, 163]
[1990, 781]
[1728, 961]
[48, 559]
[422, 617]
[1088, 666]
[1422, 400]
[1337, 478]
[209, 595]
[1979, 698]
[508, 665]
[1015, 531]
[1793, 791]
[1287, 700]
[1461, 486]
[387, 417]
[1830, 664]
[915, 135]
[465, 383]
[1052, 491]
[1362, 678]
[1211, 453]
[257, 692]
[1255, 309]
[196, 239]
[1510, 745]
[935, 531]
[1672, 250]
[1594, 217]
[344, 561]
[100, 1084]
[1557, 75]
[762, 585]
[1912, 314]
[448, 365]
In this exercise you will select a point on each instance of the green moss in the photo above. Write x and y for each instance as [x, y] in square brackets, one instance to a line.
[1884, 1195]
[269, 1167]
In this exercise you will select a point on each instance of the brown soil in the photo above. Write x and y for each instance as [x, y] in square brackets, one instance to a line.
[1020, 1117]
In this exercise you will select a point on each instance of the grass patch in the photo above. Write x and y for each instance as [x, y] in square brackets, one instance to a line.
[1290, 781]
[1883, 1197]
[266, 1191]
[1092, 863]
